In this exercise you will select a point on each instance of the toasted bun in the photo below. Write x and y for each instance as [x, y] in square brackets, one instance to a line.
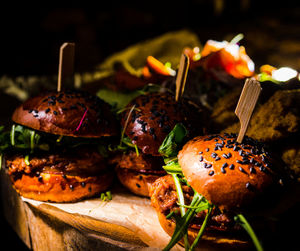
[137, 173]
[70, 113]
[57, 188]
[135, 182]
[62, 177]
[155, 116]
[227, 174]
[209, 241]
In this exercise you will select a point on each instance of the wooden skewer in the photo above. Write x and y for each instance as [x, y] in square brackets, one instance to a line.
[246, 105]
[66, 63]
[181, 75]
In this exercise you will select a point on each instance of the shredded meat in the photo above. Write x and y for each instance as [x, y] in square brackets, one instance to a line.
[164, 199]
[82, 162]
[142, 163]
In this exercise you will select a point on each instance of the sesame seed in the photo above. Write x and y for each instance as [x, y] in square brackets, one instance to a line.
[209, 166]
[55, 112]
[241, 169]
[71, 187]
[214, 155]
[204, 165]
[201, 158]
[200, 152]
[83, 184]
[217, 158]
[223, 170]
[252, 170]
[231, 166]
[224, 155]
[138, 185]
[40, 178]
[207, 149]
[239, 161]
[211, 173]
[224, 165]
[248, 185]
[47, 110]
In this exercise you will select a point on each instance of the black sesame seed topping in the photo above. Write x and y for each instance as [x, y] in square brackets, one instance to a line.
[47, 110]
[35, 115]
[30, 111]
[239, 161]
[231, 167]
[204, 165]
[55, 112]
[214, 155]
[140, 177]
[224, 155]
[211, 173]
[224, 165]
[242, 170]
[249, 186]
[64, 176]
[138, 185]
[71, 187]
[201, 158]
[200, 152]
[40, 178]
[207, 149]
[82, 184]
[223, 170]
[217, 158]
[252, 170]
[209, 166]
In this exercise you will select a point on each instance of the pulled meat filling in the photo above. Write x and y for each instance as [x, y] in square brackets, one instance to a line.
[143, 163]
[164, 199]
[83, 162]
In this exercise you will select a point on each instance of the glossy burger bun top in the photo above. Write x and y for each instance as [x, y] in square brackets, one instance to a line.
[155, 115]
[67, 113]
[228, 174]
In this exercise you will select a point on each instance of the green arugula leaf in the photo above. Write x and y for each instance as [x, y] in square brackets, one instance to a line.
[173, 141]
[198, 204]
[240, 219]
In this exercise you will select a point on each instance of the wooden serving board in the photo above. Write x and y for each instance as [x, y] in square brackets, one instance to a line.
[127, 222]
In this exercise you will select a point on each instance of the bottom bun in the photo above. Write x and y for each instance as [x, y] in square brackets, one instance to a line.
[136, 182]
[209, 241]
[61, 188]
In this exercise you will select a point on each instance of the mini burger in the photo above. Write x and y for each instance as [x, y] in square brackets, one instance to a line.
[146, 121]
[57, 145]
[207, 192]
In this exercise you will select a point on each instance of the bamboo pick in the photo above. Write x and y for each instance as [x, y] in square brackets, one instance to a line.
[182, 75]
[66, 63]
[246, 105]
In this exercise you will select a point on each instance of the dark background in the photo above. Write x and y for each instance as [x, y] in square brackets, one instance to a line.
[30, 36]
